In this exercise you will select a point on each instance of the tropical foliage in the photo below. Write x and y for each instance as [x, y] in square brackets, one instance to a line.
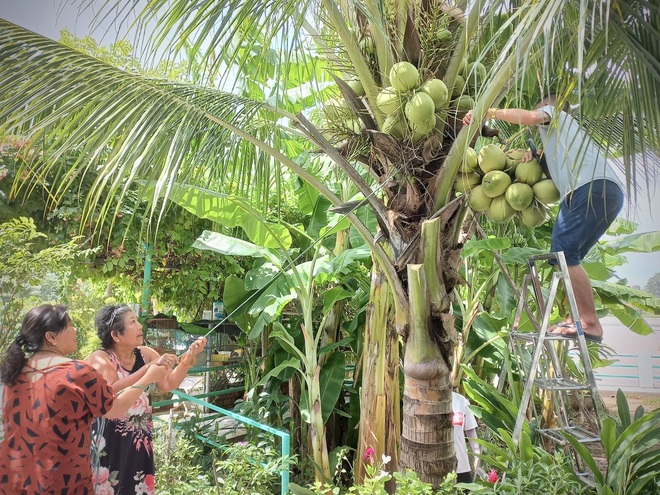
[232, 141]
[25, 265]
[630, 446]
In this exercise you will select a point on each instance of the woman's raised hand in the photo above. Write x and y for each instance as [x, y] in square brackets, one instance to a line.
[188, 359]
[197, 346]
[168, 360]
[156, 372]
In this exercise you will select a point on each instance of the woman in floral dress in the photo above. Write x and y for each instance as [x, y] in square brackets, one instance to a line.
[122, 449]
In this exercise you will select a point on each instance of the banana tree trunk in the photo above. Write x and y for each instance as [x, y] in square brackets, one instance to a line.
[380, 416]
[317, 437]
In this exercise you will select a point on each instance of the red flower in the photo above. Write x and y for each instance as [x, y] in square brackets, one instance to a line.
[492, 476]
[149, 481]
[369, 454]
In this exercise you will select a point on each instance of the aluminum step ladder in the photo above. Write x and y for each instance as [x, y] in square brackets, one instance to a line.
[544, 371]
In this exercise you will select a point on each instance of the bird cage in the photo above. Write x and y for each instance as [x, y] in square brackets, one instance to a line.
[161, 333]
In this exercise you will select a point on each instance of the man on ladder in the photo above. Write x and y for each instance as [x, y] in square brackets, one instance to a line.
[591, 197]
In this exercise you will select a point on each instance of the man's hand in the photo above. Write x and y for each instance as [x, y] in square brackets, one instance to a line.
[467, 118]
[527, 157]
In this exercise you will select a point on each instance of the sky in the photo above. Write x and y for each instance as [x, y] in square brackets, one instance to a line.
[48, 17]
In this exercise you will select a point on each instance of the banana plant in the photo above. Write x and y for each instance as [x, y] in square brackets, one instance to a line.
[268, 288]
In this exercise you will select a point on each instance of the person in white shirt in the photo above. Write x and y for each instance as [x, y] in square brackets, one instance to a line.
[591, 198]
[465, 426]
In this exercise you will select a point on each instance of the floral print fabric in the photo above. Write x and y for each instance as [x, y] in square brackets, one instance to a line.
[122, 449]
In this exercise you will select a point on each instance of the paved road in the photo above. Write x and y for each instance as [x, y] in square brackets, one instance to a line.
[638, 358]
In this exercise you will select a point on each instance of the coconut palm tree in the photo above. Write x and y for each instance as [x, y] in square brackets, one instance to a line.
[130, 127]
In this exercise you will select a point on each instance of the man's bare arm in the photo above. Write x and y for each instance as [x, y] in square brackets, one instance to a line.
[519, 116]
[513, 116]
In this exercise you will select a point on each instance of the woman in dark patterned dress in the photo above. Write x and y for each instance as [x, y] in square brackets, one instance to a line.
[122, 449]
[49, 402]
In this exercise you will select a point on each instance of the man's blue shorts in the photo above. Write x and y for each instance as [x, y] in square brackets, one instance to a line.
[584, 216]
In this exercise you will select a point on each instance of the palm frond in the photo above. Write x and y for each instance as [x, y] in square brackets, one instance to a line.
[125, 125]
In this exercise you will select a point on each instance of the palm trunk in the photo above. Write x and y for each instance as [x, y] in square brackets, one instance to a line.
[427, 444]
[380, 397]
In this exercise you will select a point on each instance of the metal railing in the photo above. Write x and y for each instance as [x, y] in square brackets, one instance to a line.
[284, 436]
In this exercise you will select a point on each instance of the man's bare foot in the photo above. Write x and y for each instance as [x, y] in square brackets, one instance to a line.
[558, 327]
[569, 330]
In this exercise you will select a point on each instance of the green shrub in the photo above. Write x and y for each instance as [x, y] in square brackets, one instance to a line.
[177, 473]
[246, 469]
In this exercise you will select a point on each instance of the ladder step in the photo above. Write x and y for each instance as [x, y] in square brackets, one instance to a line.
[560, 384]
[582, 435]
[527, 336]
[533, 336]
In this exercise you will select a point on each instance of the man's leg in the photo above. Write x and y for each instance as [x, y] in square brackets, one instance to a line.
[584, 298]
[581, 221]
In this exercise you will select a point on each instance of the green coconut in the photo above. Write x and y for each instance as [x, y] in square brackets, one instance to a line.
[443, 36]
[422, 129]
[491, 157]
[464, 103]
[469, 162]
[367, 45]
[476, 72]
[356, 86]
[533, 216]
[495, 183]
[459, 86]
[519, 196]
[388, 101]
[437, 90]
[529, 172]
[420, 108]
[404, 76]
[546, 191]
[500, 210]
[465, 182]
[395, 125]
[478, 200]
[513, 157]
[462, 66]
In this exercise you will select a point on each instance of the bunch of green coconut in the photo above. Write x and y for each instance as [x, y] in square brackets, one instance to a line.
[411, 104]
[499, 184]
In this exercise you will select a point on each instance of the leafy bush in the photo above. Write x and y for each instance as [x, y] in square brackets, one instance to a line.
[631, 450]
[244, 468]
[177, 473]
[26, 262]
[526, 469]
[376, 477]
